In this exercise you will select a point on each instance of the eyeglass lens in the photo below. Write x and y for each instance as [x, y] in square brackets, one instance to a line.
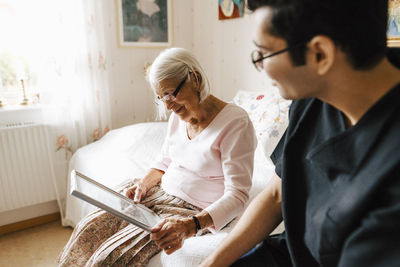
[256, 55]
[172, 96]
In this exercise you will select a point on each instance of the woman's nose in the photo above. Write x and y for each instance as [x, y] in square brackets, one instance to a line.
[169, 104]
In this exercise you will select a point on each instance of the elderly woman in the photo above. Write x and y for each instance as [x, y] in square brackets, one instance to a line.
[199, 182]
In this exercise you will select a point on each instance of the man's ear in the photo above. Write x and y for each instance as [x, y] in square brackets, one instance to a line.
[322, 52]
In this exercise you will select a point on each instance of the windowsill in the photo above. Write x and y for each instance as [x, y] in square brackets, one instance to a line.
[7, 108]
[18, 115]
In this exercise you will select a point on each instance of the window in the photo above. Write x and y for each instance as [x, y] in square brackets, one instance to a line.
[24, 26]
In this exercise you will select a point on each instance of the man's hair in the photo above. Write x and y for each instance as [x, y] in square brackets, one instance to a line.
[357, 27]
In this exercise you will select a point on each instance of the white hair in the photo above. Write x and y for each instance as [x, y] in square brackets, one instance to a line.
[176, 63]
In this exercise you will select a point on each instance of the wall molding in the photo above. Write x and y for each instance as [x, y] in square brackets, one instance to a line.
[9, 228]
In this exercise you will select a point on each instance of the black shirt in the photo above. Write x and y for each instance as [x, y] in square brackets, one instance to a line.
[341, 186]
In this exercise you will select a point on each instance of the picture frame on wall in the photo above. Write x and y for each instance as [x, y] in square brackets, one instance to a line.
[230, 9]
[393, 33]
[144, 23]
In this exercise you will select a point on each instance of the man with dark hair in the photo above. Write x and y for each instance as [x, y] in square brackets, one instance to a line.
[337, 181]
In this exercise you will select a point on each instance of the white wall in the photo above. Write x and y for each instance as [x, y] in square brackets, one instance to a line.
[222, 47]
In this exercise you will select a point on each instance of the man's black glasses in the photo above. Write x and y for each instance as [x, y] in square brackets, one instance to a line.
[257, 56]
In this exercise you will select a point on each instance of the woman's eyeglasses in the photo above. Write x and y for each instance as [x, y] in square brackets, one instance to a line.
[171, 97]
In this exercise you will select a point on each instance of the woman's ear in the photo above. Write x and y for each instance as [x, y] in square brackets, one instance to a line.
[196, 79]
[322, 53]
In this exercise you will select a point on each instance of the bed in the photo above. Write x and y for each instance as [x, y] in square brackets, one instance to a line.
[127, 153]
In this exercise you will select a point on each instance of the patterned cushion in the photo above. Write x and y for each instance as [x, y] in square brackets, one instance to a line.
[269, 113]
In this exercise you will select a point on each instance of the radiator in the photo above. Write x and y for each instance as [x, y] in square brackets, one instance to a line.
[26, 168]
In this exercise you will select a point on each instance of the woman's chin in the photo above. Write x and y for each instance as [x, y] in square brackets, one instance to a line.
[183, 116]
[180, 111]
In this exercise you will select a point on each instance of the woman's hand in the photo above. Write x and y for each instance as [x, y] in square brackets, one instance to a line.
[170, 233]
[136, 192]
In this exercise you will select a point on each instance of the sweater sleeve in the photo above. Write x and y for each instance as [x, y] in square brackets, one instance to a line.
[237, 148]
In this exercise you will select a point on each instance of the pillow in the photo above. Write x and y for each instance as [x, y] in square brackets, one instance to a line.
[268, 112]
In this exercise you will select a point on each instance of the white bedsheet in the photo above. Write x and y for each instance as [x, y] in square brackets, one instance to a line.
[127, 153]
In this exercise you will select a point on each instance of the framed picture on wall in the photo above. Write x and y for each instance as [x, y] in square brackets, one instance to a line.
[230, 9]
[393, 33]
[144, 23]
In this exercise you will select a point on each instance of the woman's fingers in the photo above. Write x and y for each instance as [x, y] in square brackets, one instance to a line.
[169, 235]
[168, 240]
[172, 247]
[130, 192]
[156, 232]
[138, 194]
[137, 191]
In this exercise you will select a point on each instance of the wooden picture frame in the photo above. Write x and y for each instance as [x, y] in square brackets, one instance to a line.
[393, 33]
[143, 23]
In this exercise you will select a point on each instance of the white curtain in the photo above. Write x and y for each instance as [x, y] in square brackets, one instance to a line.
[73, 81]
